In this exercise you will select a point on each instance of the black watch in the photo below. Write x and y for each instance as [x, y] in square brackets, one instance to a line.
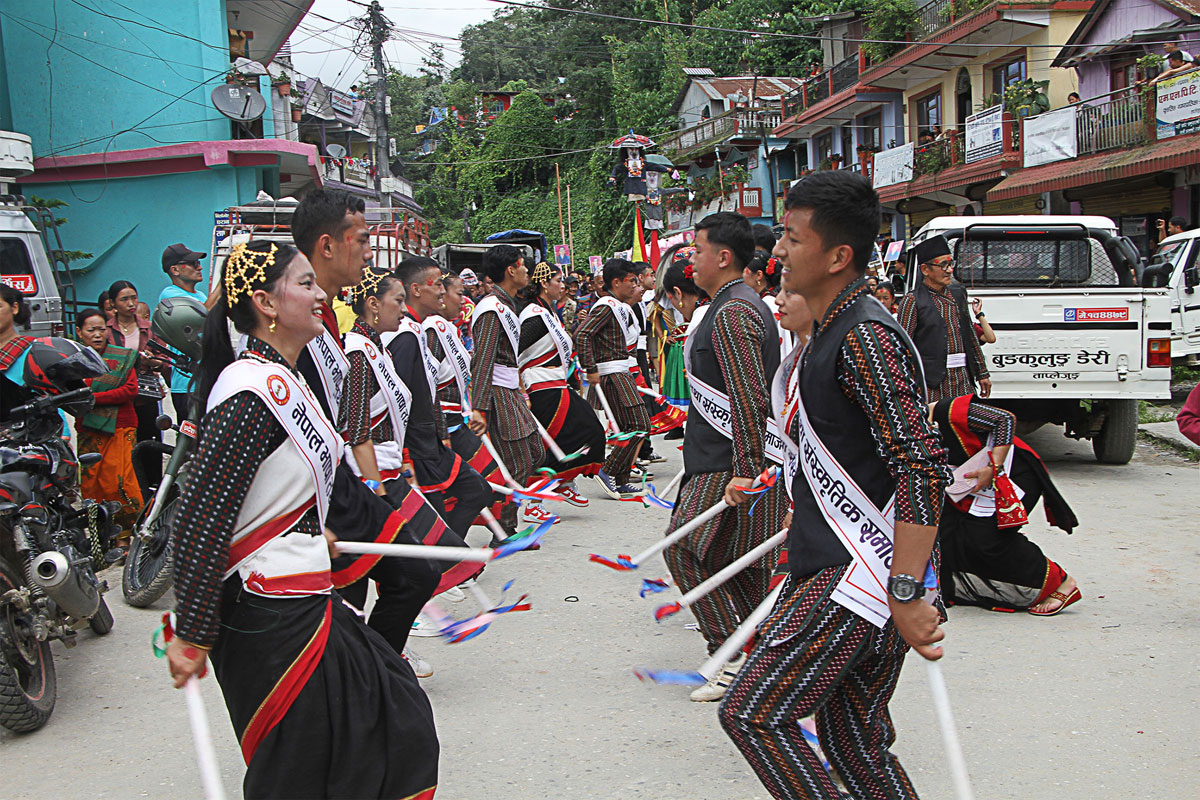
[905, 588]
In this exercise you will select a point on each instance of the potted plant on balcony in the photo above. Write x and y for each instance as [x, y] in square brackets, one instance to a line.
[1026, 98]
[1149, 66]
[282, 83]
[297, 113]
[836, 160]
[889, 23]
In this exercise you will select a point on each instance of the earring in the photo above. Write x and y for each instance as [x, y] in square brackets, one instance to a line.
[271, 327]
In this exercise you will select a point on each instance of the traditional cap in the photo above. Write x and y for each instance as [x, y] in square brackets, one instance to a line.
[931, 248]
[179, 254]
[542, 272]
[469, 278]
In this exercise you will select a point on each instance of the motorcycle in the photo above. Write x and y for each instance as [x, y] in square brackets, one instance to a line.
[149, 566]
[52, 541]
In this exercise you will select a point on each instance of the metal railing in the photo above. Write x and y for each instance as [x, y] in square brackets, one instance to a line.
[1117, 120]
[843, 74]
[839, 77]
[934, 16]
[744, 121]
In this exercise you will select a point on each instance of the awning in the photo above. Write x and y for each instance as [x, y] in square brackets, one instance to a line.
[1177, 152]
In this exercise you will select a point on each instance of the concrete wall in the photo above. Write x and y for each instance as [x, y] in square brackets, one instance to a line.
[105, 75]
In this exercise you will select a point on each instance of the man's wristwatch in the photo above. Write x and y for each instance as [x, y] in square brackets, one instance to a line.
[905, 588]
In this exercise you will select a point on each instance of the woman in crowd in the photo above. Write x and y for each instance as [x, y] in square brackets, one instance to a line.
[884, 294]
[321, 704]
[679, 286]
[986, 560]
[668, 328]
[110, 428]
[13, 312]
[545, 352]
[126, 329]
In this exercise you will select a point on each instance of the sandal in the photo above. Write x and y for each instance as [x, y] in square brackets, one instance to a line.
[1065, 599]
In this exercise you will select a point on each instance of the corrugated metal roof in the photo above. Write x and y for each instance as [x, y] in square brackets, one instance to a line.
[767, 87]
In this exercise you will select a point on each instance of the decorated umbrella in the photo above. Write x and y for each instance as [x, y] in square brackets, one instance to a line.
[632, 140]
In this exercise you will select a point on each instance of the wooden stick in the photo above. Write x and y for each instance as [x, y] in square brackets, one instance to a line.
[740, 636]
[941, 704]
[562, 234]
[429, 552]
[206, 755]
[570, 233]
[733, 568]
[549, 440]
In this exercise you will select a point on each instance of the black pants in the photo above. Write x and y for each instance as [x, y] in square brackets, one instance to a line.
[150, 460]
[405, 585]
[471, 493]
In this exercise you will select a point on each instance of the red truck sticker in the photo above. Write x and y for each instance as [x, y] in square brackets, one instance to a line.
[25, 284]
[1095, 314]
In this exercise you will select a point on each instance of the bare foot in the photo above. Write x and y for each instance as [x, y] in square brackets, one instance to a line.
[1052, 603]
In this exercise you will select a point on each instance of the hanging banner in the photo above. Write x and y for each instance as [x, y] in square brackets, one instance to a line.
[1050, 137]
[985, 134]
[1178, 107]
[893, 166]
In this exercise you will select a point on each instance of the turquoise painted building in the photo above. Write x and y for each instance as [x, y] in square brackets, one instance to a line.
[116, 97]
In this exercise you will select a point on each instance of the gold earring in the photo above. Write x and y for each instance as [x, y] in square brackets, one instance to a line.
[271, 327]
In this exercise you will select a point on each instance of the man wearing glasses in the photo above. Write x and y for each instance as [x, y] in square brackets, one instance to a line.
[935, 316]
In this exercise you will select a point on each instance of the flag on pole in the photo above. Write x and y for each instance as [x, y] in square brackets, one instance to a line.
[638, 251]
[654, 254]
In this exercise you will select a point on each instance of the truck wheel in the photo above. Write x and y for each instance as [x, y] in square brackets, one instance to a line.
[1115, 442]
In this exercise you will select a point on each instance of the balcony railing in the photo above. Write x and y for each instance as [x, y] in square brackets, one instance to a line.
[935, 15]
[839, 77]
[1115, 121]
[746, 122]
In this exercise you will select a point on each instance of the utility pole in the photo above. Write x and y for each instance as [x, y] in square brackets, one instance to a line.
[380, 30]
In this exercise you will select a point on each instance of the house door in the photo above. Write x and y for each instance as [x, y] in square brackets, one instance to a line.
[962, 95]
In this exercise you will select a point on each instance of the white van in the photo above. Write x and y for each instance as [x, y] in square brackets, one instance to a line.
[29, 267]
[1078, 342]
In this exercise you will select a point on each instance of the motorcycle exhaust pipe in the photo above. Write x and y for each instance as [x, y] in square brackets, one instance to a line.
[67, 587]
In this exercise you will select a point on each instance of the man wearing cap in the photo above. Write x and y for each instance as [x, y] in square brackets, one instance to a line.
[182, 265]
[935, 315]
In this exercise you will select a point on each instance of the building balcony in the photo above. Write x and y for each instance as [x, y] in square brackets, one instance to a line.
[949, 173]
[741, 123]
[349, 172]
[836, 79]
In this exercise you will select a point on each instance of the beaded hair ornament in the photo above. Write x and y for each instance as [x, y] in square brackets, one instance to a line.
[245, 271]
[684, 256]
[542, 272]
[367, 287]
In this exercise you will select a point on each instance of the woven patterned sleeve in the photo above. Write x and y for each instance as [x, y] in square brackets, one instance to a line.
[237, 437]
[906, 313]
[975, 351]
[354, 415]
[487, 334]
[738, 334]
[985, 419]
[877, 372]
[585, 337]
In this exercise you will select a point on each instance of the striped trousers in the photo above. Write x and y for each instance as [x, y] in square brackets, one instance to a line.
[624, 452]
[706, 550]
[814, 657]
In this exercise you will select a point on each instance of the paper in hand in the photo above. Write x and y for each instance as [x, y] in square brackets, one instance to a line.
[962, 485]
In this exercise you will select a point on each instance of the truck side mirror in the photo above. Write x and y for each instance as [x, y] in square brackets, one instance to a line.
[1191, 277]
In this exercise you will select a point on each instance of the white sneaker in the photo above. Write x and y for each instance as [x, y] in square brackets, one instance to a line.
[420, 667]
[453, 595]
[425, 627]
[570, 493]
[536, 514]
[715, 689]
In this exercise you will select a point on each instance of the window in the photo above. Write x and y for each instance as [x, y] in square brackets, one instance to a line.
[929, 111]
[823, 147]
[15, 267]
[870, 131]
[1122, 75]
[1006, 75]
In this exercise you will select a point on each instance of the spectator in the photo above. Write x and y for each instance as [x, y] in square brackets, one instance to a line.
[105, 304]
[925, 137]
[1073, 99]
[110, 428]
[1173, 47]
[982, 329]
[13, 346]
[885, 295]
[1177, 64]
[126, 330]
[182, 266]
[143, 311]
[1188, 418]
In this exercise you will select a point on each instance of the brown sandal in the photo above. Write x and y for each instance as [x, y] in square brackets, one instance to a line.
[1064, 599]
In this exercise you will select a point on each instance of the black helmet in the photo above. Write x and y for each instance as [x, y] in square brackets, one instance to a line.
[179, 321]
[55, 365]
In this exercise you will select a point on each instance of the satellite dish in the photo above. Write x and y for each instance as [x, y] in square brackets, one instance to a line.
[335, 150]
[239, 103]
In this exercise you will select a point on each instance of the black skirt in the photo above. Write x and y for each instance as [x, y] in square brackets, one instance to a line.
[322, 705]
[573, 424]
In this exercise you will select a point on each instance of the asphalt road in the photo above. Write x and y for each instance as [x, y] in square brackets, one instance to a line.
[1096, 703]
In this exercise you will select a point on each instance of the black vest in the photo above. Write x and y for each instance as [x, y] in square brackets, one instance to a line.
[930, 336]
[705, 449]
[844, 429]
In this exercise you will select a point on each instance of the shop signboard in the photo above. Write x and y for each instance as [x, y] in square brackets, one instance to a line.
[1178, 107]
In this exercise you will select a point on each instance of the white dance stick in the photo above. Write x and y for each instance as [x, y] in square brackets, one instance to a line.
[484, 602]
[733, 568]
[941, 704]
[429, 552]
[684, 530]
[671, 486]
[210, 775]
[492, 524]
[740, 636]
[491, 448]
[612, 420]
[549, 440]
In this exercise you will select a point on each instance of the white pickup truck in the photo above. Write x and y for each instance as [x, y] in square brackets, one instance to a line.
[1078, 343]
[1176, 265]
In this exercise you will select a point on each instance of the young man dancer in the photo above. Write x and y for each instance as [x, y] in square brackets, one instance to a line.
[605, 343]
[495, 385]
[856, 402]
[330, 228]
[731, 353]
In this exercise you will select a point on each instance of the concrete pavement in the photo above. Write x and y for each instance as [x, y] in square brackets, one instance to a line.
[1096, 703]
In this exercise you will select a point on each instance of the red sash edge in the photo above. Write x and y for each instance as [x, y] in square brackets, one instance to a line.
[278, 701]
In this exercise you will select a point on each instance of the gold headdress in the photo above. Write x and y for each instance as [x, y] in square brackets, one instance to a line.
[542, 272]
[368, 286]
[245, 271]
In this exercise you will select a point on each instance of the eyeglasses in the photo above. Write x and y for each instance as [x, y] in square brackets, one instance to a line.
[945, 266]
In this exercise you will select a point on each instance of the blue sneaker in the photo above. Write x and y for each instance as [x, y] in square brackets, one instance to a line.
[607, 484]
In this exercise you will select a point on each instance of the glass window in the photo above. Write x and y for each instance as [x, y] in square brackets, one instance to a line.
[824, 146]
[870, 131]
[929, 113]
[1006, 75]
[15, 267]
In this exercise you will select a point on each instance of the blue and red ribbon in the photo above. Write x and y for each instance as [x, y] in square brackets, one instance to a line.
[621, 564]
[653, 586]
[668, 676]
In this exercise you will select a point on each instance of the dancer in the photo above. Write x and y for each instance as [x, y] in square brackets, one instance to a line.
[252, 569]
[603, 342]
[986, 560]
[858, 391]
[732, 351]
[330, 228]
[546, 350]
[667, 333]
[456, 490]
[495, 385]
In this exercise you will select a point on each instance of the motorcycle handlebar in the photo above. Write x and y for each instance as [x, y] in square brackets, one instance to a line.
[51, 401]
